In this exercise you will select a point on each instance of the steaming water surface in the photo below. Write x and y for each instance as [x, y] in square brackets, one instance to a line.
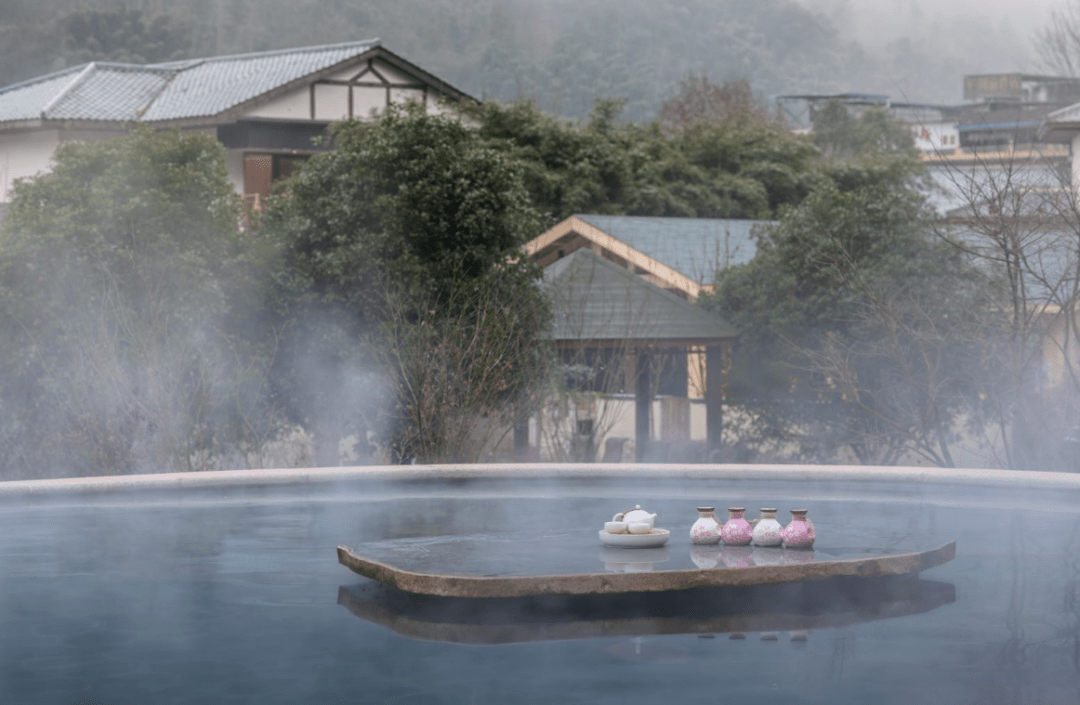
[234, 598]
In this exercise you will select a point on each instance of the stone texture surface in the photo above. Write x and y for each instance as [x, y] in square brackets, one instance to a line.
[493, 586]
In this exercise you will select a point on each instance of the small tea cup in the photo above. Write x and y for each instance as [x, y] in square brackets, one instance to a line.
[640, 527]
[615, 527]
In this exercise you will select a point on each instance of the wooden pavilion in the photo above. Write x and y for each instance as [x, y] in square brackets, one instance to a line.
[605, 313]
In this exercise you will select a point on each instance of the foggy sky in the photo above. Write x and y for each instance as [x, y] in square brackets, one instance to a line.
[951, 38]
[878, 21]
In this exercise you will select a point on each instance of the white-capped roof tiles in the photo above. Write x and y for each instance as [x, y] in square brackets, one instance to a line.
[26, 100]
[169, 91]
[108, 92]
[215, 85]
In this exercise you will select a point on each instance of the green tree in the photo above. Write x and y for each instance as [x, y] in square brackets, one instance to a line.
[840, 134]
[859, 328]
[732, 170]
[129, 305]
[121, 34]
[413, 210]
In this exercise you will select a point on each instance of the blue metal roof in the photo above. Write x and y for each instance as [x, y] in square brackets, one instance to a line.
[970, 126]
[695, 247]
[596, 300]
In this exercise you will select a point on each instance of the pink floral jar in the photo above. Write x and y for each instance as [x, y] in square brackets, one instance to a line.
[737, 531]
[800, 532]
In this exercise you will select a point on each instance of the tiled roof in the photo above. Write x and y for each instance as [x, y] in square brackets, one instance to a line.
[215, 85]
[695, 247]
[1070, 113]
[26, 100]
[108, 92]
[595, 299]
[168, 91]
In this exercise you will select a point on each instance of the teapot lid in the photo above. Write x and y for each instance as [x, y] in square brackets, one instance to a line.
[636, 514]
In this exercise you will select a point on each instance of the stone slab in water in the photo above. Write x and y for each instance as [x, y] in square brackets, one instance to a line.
[573, 562]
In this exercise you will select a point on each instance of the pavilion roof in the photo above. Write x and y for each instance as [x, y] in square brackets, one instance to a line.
[597, 300]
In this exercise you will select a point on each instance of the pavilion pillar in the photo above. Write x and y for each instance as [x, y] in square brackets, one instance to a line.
[714, 398]
[521, 439]
[642, 406]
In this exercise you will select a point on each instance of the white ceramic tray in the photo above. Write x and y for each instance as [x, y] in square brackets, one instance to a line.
[656, 537]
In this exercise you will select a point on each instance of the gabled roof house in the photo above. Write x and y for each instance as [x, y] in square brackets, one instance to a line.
[681, 255]
[623, 286]
[266, 108]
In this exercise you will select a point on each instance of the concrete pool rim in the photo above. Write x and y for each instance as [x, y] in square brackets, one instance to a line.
[914, 476]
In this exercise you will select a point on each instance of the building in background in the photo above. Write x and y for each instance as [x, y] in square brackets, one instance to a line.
[642, 362]
[998, 124]
[267, 108]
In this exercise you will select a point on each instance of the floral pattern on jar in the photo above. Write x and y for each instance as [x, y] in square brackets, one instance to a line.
[800, 532]
[706, 530]
[737, 530]
[768, 531]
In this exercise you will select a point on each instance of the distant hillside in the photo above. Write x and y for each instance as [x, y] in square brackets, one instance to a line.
[563, 54]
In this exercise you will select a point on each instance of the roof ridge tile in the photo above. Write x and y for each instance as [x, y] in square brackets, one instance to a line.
[272, 52]
[41, 79]
[87, 70]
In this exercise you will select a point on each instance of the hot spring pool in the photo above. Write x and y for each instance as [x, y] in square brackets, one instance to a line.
[222, 588]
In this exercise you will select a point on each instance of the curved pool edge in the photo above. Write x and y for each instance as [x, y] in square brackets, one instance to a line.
[541, 471]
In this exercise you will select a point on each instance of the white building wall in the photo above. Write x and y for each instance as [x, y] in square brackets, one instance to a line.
[391, 74]
[934, 138]
[291, 106]
[234, 162]
[616, 415]
[368, 101]
[25, 154]
[350, 73]
[403, 95]
[386, 71]
[331, 102]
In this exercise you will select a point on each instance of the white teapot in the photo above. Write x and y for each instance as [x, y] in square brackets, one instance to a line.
[635, 516]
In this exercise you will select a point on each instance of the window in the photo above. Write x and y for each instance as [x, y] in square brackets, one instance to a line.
[262, 170]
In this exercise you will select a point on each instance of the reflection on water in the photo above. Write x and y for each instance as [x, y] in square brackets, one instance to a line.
[794, 607]
[238, 601]
[1072, 602]
[633, 560]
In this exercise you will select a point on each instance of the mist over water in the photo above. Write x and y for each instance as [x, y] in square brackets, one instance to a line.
[234, 596]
